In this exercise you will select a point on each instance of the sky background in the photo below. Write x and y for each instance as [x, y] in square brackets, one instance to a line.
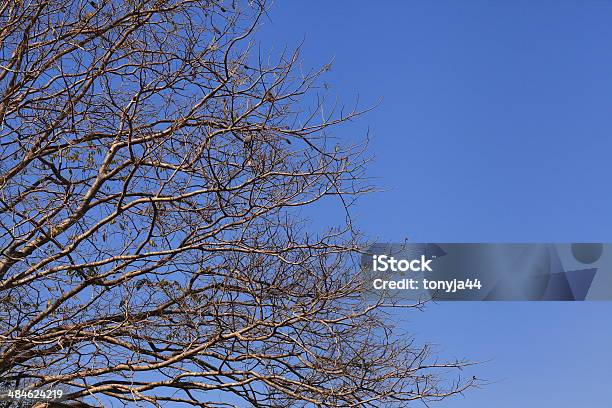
[495, 126]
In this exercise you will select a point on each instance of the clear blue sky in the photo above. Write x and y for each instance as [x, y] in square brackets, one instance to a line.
[495, 126]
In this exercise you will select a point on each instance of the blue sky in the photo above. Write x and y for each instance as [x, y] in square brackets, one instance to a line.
[495, 126]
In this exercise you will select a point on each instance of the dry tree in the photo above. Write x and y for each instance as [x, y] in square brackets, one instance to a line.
[155, 169]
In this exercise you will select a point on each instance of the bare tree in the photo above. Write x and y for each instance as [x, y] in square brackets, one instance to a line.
[154, 250]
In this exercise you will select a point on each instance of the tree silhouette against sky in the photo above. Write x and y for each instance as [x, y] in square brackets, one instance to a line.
[155, 167]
